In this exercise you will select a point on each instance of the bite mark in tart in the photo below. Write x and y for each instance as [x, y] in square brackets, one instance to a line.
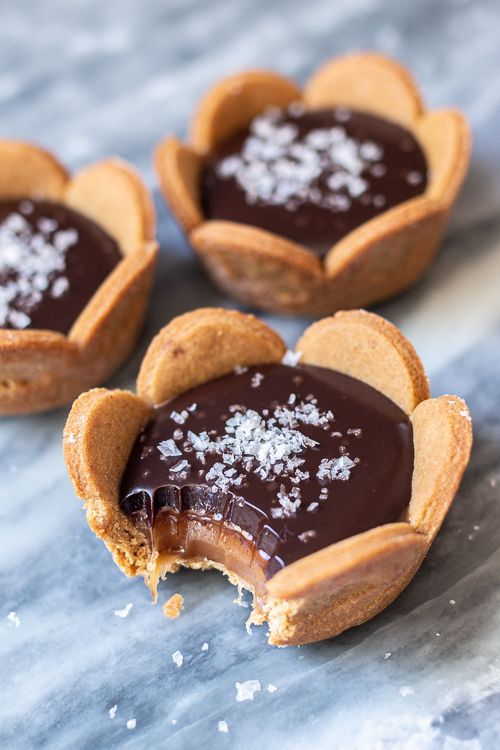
[76, 263]
[312, 201]
[318, 485]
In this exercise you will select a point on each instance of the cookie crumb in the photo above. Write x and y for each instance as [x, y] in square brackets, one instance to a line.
[174, 606]
[177, 658]
[222, 727]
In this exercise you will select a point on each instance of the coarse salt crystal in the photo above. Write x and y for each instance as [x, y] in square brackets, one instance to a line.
[222, 726]
[177, 658]
[125, 611]
[246, 690]
[271, 688]
[291, 358]
[112, 711]
[406, 690]
[14, 619]
[131, 723]
[205, 646]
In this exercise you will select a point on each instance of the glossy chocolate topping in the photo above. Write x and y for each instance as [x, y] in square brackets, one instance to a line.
[291, 459]
[52, 260]
[313, 176]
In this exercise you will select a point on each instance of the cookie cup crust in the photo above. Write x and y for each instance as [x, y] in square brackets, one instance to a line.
[41, 369]
[379, 259]
[333, 589]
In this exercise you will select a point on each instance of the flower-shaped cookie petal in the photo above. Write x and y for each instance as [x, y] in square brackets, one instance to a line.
[342, 585]
[40, 369]
[380, 258]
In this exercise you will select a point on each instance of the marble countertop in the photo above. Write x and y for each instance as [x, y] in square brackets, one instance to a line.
[90, 79]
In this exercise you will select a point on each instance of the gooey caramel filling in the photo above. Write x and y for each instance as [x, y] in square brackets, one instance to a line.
[264, 466]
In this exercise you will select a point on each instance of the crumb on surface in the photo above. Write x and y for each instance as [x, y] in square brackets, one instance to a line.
[173, 606]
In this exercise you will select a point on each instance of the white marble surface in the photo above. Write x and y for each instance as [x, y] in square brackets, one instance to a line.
[89, 79]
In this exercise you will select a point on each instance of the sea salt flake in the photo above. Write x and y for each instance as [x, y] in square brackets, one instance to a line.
[181, 466]
[387, 655]
[112, 711]
[312, 507]
[131, 723]
[291, 358]
[168, 448]
[271, 688]
[306, 536]
[406, 690]
[205, 646]
[240, 370]
[14, 619]
[257, 379]
[245, 690]
[179, 418]
[177, 658]
[222, 726]
[59, 287]
[125, 611]
[452, 601]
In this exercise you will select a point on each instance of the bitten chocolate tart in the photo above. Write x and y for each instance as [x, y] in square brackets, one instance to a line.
[76, 263]
[317, 479]
[312, 201]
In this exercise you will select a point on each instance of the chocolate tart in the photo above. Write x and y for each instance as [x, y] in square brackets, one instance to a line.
[317, 485]
[312, 201]
[77, 256]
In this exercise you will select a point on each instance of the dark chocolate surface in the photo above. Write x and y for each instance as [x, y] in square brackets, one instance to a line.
[370, 435]
[313, 176]
[52, 260]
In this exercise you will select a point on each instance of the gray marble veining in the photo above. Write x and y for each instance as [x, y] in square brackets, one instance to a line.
[90, 79]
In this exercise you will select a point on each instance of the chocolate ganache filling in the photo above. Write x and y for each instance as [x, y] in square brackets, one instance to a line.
[52, 260]
[313, 176]
[261, 467]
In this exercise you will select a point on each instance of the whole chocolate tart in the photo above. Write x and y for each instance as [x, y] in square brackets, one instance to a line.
[312, 201]
[76, 263]
[316, 479]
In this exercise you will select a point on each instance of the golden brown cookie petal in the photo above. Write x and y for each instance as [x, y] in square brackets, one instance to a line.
[179, 169]
[101, 429]
[233, 102]
[203, 345]
[343, 585]
[30, 171]
[113, 195]
[263, 268]
[386, 255]
[31, 368]
[366, 81]
[369, 348]
[107, 328]
[446, 140]
[442, 431]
